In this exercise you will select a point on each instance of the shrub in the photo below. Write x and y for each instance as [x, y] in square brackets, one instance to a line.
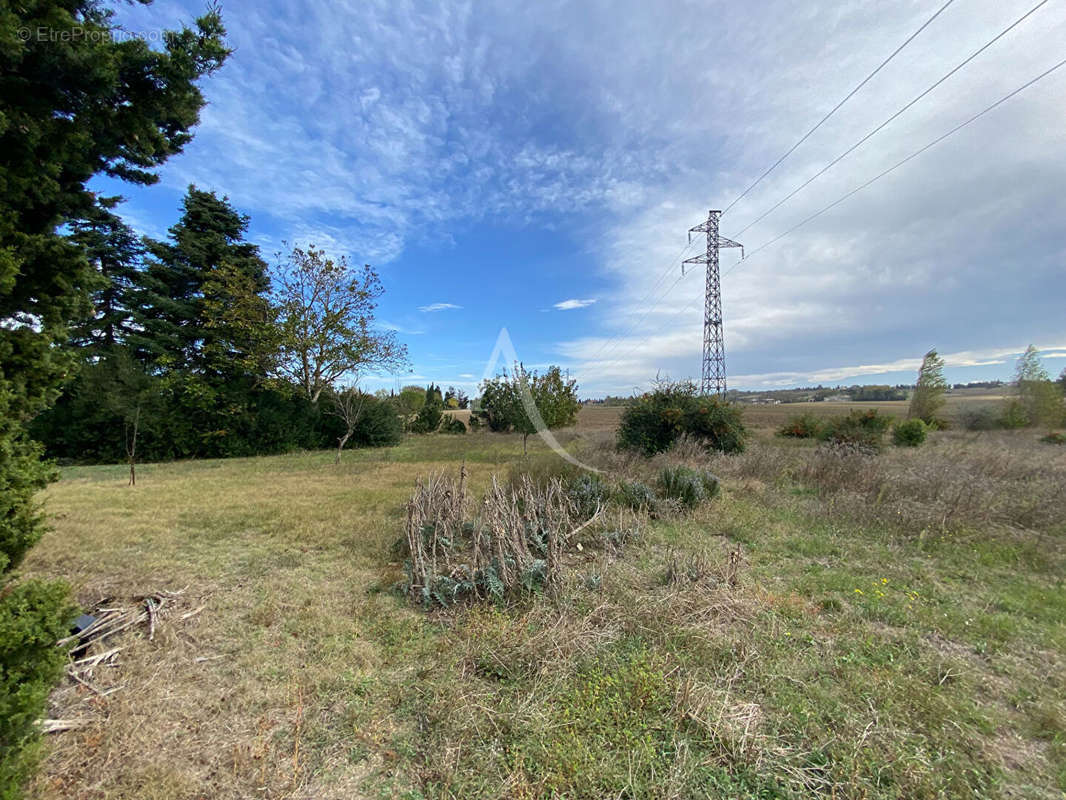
[864, 428]
[802, 426]
[982, 418]
[636, 495]
[655, 420]
[1015, 415]
[588, 493]
[431, 414]
[711, 486]
[682, 484]
[1054, 438]
[452, 425]
[379, 425]
[33, 616]
[909, 433]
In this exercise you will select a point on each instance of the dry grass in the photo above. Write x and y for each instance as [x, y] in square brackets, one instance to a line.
[838, 653]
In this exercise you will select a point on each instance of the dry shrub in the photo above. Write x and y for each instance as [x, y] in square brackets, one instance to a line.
[960, 481]
[515, 541]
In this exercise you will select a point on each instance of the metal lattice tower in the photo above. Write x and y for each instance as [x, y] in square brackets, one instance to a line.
[713, 378]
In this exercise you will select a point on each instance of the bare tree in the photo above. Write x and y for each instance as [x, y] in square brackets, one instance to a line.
[131, 428]
[326, 321]
[348, 404]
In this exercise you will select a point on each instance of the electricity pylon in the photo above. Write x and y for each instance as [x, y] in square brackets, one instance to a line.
[713, 378]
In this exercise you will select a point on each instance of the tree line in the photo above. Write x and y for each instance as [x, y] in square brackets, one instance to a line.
[194, 347]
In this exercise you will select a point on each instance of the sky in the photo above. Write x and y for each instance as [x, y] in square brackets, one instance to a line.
[537, 166]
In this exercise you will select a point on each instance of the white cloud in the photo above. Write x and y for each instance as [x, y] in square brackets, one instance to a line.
[438, 307]
[392, 123]
[568, 305]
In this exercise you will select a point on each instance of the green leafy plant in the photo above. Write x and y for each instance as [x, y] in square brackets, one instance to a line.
[431, 414]
[928, 397]
[802, 426]
[684, 485]
[635, 495]
[865, 428]
[655, 420]
[1054, 438]
[452, 425]
[909, 432]
[588, 493]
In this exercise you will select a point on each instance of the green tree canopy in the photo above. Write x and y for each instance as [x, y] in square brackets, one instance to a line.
[513, 402]
[326, 321]
[928, 397]
[70, 108]
[202, 307]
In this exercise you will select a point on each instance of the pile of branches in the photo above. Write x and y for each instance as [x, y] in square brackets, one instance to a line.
[91, 649]
[513, 543]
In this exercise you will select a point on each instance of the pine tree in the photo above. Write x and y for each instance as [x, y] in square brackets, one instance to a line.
[203, 270]
[928, 396]
[114, 252]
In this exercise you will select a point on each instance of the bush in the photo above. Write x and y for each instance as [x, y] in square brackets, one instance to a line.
[1054, 438]
[379, 425]
[863, 428]
[983, 418]
[33, 616]
[684, 485]
[429, 416]
[635, 495]
[1015, 415]
[588, 493]
[711, 486]
[655, 420]
[452, 425]
[802, 426]
[909, 433]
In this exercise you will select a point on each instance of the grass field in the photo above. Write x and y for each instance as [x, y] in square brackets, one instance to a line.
[897, 630]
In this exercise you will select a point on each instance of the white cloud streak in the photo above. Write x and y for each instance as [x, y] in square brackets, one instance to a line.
[570, 305]
[438, 307]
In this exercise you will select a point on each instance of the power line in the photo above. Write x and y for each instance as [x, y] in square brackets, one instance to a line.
[669, 268]
[837, 107]
[884, 124]
[900, 163]
[891, 169]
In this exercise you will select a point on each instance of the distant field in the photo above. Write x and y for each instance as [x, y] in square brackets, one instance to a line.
[897, 630]
[600, 418]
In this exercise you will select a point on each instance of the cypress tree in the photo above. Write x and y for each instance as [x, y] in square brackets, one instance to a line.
[73, 107]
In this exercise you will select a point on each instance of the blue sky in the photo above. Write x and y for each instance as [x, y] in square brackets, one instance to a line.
[536, 167]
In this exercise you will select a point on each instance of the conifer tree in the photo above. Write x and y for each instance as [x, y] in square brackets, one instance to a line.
[114, 252]
[202, 270]
[72, 107]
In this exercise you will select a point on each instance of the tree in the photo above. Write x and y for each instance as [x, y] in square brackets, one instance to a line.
[326, 321]
[408, 402]
[72, 107]
[1038, 398]
[202, 306]
[928, 397]
[348, 403]
[114, 252]
[431, 414]
[515, 402]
